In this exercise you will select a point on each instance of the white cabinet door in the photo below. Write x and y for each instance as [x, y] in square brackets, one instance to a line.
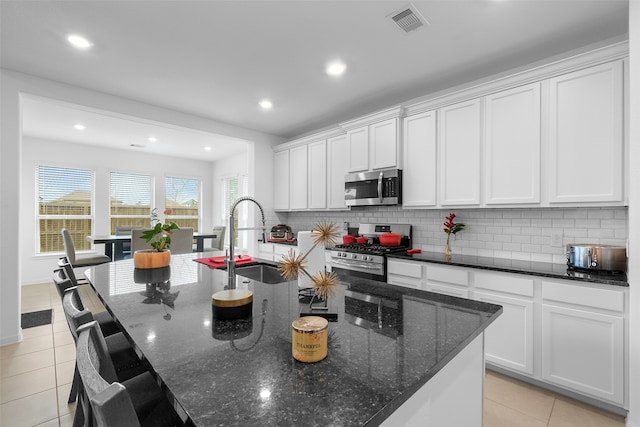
[337, 168]
[298, 183]
[583, 351]
[383, 143]
[405, 273]
[586, 135]
[281, 180]
[317, 165]
[509, 339]
[358, 140]
[512, 146]
[420, 160]
[459, 153]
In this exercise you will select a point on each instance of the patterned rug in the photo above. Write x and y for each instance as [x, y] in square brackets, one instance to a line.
[36, 318]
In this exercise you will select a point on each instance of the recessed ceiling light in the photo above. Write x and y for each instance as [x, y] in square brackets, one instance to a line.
[207, 148]
[266, 104]
[336, 68]
[79, 126]
[152, 139]
[78, 41]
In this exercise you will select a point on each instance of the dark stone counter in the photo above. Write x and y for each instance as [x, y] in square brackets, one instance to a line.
[556, 271]
[242, 373]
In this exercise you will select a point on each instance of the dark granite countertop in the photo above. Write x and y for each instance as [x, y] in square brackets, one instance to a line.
[242, 373]
[544, 269]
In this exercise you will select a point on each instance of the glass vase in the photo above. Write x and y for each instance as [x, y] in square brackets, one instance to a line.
[448, 252]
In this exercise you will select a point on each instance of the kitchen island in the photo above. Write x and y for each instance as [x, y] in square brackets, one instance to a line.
[395, 355]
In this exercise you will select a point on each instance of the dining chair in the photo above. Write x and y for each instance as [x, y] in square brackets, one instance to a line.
[106, 401]
[217, 243]
[125, 230]
[63, 281]
[124, 358]
[182, 241]
[77, 260]
[137, 242]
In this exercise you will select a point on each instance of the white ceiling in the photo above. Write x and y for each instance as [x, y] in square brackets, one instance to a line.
[217, 59]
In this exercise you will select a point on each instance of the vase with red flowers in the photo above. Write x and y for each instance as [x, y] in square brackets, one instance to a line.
[451, 227]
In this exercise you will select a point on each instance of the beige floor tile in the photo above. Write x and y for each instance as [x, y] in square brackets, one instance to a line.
[60, 327]
[31, 410]
[37, 331]
[23, 385]
[497, 415]
[64, 372]
[517, 395]
[51, 423]
[35, 304]
[37, 289]
[66, 420]
[63, 338]
[63, 396]
[570, 413]
[28, 345]
[65, 353]
[27, 362]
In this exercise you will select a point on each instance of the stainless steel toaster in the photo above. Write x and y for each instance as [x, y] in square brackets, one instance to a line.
[597, 257]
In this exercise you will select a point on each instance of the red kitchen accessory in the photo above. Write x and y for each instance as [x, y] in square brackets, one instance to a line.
[390, 239]
[414, 251]
[348, 239]
[362, 240]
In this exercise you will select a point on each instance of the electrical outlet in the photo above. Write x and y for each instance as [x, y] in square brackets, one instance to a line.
[556, 239]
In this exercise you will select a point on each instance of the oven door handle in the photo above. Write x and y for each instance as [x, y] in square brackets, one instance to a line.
[380, 195]
[356, 264]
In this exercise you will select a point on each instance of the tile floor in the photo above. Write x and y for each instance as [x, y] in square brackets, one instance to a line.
[36, 374]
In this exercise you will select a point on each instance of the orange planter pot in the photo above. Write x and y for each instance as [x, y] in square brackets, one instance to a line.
[149, 258]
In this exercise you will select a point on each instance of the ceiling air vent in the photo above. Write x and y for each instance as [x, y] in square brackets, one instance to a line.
[137, 146]
[408, 19]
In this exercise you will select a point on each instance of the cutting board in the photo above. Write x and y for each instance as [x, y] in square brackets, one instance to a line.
[218, 261]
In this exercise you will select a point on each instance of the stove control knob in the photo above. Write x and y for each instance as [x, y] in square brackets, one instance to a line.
[354, 256]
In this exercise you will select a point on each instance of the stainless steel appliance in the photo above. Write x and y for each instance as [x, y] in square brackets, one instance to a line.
[280, 233]
[369, 260]
[382, 187]
[605, 258]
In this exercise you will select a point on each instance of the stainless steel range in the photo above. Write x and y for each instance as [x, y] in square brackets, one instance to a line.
[369, 260]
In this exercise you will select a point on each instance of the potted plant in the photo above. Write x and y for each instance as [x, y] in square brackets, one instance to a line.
[159, 237]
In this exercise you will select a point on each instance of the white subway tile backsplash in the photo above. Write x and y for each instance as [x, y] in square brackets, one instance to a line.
[503, 233]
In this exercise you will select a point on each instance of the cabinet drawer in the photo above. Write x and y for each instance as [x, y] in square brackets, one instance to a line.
[590, 297]
[407, 282]
[402, 268]
[504, 283]
[448, 275]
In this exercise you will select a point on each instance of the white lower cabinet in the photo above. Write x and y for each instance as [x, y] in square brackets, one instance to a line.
[564, 333]
[265, 251]
[583, 340]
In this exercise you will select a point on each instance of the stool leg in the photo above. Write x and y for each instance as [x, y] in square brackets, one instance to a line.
[73, 394]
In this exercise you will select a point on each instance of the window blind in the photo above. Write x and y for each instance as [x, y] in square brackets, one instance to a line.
[130, 201]
[65, 198]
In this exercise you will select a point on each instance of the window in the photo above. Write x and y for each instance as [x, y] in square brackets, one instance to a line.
[64, 201]
[130, 200]
[232, 188]
[182, 196]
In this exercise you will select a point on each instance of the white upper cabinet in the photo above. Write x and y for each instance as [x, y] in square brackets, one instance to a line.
[281, 180]
[459, 146]
[337, 168]
[358, 140]
[383, 143]
[373, 141]
[298, 178]
[512, 146]
[317, 166]
[585, 135]
[420, 160]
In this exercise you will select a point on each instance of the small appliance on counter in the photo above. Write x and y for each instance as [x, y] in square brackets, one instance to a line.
[597, 258]
[280, 233]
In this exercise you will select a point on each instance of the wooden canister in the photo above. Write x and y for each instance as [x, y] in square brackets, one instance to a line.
[232, 304]
[309, 336]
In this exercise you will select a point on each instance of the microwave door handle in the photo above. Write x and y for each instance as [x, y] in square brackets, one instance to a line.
[380, 186]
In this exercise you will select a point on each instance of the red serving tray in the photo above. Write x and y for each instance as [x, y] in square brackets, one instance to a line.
[219, 261]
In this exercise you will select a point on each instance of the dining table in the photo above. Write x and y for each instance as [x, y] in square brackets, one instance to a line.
[242, 372]
[114, 244]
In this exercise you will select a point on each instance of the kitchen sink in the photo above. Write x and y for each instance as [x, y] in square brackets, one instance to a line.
[264, 273]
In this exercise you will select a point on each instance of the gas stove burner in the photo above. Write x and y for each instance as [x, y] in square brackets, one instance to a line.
[369, 249]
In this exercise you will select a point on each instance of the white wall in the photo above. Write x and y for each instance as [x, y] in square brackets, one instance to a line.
[633, 419]
[103, 161]
[12, 85]
[226, 168]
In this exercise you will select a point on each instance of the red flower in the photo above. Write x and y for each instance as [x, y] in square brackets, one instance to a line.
[451, 227]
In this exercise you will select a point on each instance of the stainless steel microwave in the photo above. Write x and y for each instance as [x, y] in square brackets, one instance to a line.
[376, 188]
